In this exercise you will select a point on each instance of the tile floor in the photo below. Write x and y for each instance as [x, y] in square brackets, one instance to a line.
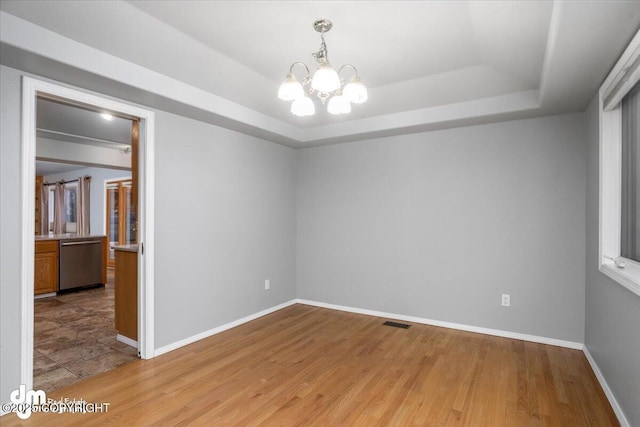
[74, 337]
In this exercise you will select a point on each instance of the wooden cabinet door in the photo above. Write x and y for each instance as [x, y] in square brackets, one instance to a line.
[46, 273]
[126, 293]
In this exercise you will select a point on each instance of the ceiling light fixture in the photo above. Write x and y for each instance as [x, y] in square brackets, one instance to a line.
[325, 83]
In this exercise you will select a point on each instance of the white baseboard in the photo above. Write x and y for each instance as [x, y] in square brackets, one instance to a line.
[222, 328]
[127, 340]
[459, 326]
[607, 391]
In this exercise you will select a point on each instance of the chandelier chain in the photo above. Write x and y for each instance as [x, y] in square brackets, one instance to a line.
[322, 55]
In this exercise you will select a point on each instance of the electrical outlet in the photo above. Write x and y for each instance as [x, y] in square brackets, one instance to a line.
[506, 300]
[267, 285]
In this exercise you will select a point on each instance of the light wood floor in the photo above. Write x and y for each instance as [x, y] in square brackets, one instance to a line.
[310, 366]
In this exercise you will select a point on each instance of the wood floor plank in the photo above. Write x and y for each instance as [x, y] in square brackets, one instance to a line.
[308, 366]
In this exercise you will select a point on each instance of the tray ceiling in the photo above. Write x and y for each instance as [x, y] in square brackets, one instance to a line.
[427, 64]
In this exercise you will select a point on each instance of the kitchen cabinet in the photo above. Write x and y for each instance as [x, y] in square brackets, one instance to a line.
[46, 267]
[55, 269]
[126, 291]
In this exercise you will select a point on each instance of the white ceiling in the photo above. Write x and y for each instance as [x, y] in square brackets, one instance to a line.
[267, 37]
[57, 121]
[429, 64]
[410, 54]
[53, 168]
[61, 121]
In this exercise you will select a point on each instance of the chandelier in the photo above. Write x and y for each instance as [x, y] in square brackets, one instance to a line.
[325, 83]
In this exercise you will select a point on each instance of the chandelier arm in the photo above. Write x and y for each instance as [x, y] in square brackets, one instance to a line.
[350, 66]
[300, 63]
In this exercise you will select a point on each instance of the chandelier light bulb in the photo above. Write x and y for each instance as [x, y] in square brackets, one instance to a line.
[355, 91]
[303, 106]
[290, 88]
[339, 104]
[325, 79]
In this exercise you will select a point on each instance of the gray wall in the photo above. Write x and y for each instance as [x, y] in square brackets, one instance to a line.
[97, 198]
[10, 235]
[612, 311]
[438, 225]
[225, 221]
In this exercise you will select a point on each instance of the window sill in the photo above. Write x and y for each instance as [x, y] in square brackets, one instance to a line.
[629, 276]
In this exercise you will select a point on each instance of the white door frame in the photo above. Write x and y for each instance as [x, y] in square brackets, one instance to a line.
[30, 89]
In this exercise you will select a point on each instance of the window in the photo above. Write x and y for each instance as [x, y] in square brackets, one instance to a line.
[52, 206]
[70, 202]
[70, 207]
[630, 180]
[620, 170]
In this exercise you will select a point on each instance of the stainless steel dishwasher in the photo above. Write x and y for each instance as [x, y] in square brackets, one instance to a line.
[80, 262]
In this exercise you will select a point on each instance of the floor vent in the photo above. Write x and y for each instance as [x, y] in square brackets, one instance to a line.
[397, 325]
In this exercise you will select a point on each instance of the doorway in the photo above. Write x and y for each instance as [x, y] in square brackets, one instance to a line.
[32, 88]
[75, 336]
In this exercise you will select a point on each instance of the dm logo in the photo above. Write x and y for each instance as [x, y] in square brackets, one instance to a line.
[25, 399]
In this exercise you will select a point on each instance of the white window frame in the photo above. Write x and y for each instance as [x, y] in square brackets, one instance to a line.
[623, 77]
